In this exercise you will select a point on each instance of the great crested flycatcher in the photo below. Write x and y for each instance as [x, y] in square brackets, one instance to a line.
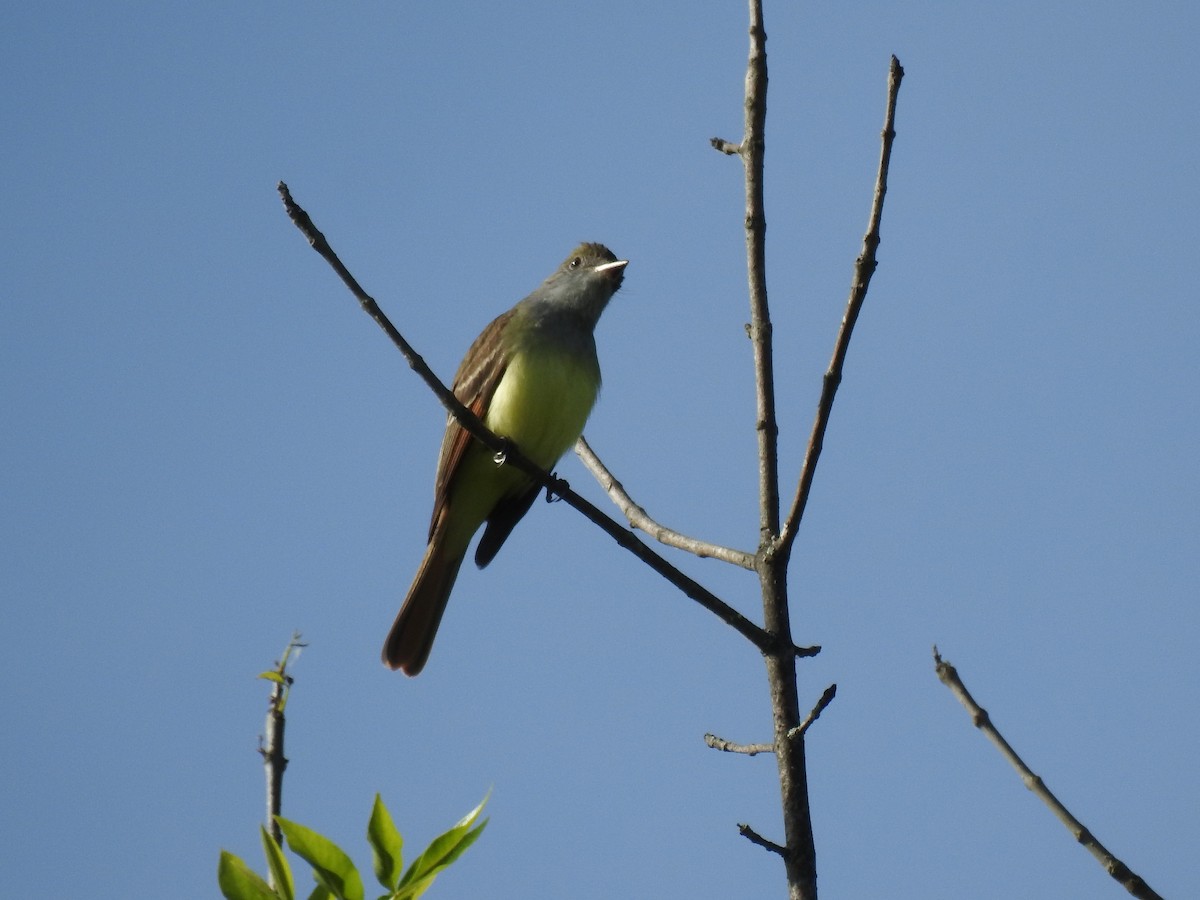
[532, 376]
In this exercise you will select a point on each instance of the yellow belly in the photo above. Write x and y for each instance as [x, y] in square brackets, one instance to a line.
[543, 402]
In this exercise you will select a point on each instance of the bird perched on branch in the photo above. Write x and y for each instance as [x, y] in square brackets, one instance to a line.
[532, 377]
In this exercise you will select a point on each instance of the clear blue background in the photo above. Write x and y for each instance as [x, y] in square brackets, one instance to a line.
[205, 444]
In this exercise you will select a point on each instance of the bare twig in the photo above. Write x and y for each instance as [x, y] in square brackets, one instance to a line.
[466, 418]
[1117, 869]
[755, 838]
[826, 699]
[639, 519]
[864, 268]
[511, 455]
[719, 743]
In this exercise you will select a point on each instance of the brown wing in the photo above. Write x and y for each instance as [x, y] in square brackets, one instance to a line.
[474, 383]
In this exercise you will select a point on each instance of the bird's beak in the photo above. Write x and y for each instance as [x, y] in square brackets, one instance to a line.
[612, 268]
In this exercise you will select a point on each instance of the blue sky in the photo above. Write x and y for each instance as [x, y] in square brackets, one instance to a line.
[207, 444]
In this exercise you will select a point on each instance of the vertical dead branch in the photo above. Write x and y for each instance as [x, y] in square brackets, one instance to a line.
[798, 850]
[775, 544]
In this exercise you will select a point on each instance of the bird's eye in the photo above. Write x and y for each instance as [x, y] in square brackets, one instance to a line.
[577, 262]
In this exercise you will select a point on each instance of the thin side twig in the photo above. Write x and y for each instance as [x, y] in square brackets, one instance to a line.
[864, 268]
[1117, 869]
[826, 699]
[508, 454]
[719, 743]
[640, 519]
[755, 838]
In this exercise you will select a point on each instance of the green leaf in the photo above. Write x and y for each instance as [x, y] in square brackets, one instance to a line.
[414, 889]
[386, 845]
[320, 892]
[271, 676]
[331, 867]
[239, 882]
[441, 852]
[277, 865]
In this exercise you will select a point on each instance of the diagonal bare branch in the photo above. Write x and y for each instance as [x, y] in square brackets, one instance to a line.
[864, 268]
[640, 519]
[1117, 869]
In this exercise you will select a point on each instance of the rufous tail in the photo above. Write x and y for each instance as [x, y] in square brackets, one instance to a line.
[411, 638]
